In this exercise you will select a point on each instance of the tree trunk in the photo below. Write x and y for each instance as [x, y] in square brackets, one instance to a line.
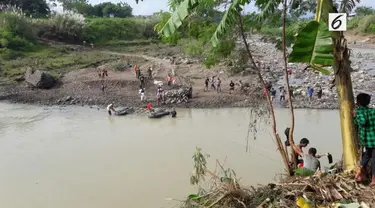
[286, 75]
[279, 144]
[346, 100]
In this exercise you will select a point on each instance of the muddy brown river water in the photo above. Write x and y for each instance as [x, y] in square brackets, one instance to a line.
[79, 157]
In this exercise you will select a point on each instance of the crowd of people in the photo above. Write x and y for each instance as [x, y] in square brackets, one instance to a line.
[142, 79]
[214, 83]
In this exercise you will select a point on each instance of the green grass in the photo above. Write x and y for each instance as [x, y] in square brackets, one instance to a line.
[54, 60]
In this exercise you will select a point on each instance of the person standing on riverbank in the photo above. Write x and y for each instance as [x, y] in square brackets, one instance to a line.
[206, 84]
[364, 118]
[282, 95]
[320, 92]
[218, 85]
[149, 71]
[142, 81]
[310, 91]
[142, 92]
[136, 70]
[169, 80]
[231, 86]
[213, 83]
[273, 94]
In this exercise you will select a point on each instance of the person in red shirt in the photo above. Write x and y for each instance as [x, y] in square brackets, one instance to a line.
[149, 107]
[289, 71]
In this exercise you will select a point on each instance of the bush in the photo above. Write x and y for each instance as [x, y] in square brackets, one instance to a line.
[271, 31]
[12, 41]
[67, 27]
[18, 24]
[193, 47]
[106, 29]
[7, 54]
[371, 28]
[365, 23]
[353, 23]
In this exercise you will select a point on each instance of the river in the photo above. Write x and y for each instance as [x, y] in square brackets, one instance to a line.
[79, 157]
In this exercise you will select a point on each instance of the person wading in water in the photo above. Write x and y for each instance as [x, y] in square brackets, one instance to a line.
[110, 108]
[364, 118]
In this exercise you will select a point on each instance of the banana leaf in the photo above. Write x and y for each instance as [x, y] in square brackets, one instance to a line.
[178, 16]
[314, 46]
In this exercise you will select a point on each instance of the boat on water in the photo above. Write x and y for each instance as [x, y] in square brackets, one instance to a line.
[162, 113]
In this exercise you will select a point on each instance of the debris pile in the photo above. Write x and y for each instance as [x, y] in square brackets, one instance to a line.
[178, 95]
[323, 190]
[330, 188]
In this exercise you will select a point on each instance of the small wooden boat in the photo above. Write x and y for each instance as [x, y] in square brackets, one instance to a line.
[159, 114]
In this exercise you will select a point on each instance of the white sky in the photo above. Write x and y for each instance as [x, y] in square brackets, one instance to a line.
[148, 7]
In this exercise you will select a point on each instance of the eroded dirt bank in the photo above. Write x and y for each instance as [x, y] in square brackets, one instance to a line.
[82, 87]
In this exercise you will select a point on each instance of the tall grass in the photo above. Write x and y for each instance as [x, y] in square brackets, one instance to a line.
[72, 27]
[17, 23]
[68, 26]
[365, 23]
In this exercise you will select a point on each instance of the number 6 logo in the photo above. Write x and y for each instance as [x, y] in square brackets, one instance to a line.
[337, 21]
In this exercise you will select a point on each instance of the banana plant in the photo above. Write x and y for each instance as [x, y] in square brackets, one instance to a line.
[319, 48]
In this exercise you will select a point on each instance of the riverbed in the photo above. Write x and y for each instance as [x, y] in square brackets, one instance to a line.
[79, 157]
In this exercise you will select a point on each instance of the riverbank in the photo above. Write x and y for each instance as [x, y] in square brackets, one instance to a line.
[82, 86]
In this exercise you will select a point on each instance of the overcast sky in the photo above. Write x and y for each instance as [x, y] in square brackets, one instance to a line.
[148, 7]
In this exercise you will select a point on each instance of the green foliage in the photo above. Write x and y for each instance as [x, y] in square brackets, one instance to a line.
[218, 53]
[164, 17]
[229, 20]
[353, 23]
[16, 33]
[251, 21]
[365, 23]
[194, 48]
[303, 172]
[17, 23]
[371, 29]
[314, 46]
[52, 59]
[104, 29]
[35, 8]
[200, 166]
[364, 11]
[67, 27]
[105, 9]
[8, 54]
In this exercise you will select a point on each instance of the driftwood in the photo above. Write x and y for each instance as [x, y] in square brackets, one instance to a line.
[322, 189]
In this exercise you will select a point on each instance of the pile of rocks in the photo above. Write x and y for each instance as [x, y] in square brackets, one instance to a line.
[179, 95]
